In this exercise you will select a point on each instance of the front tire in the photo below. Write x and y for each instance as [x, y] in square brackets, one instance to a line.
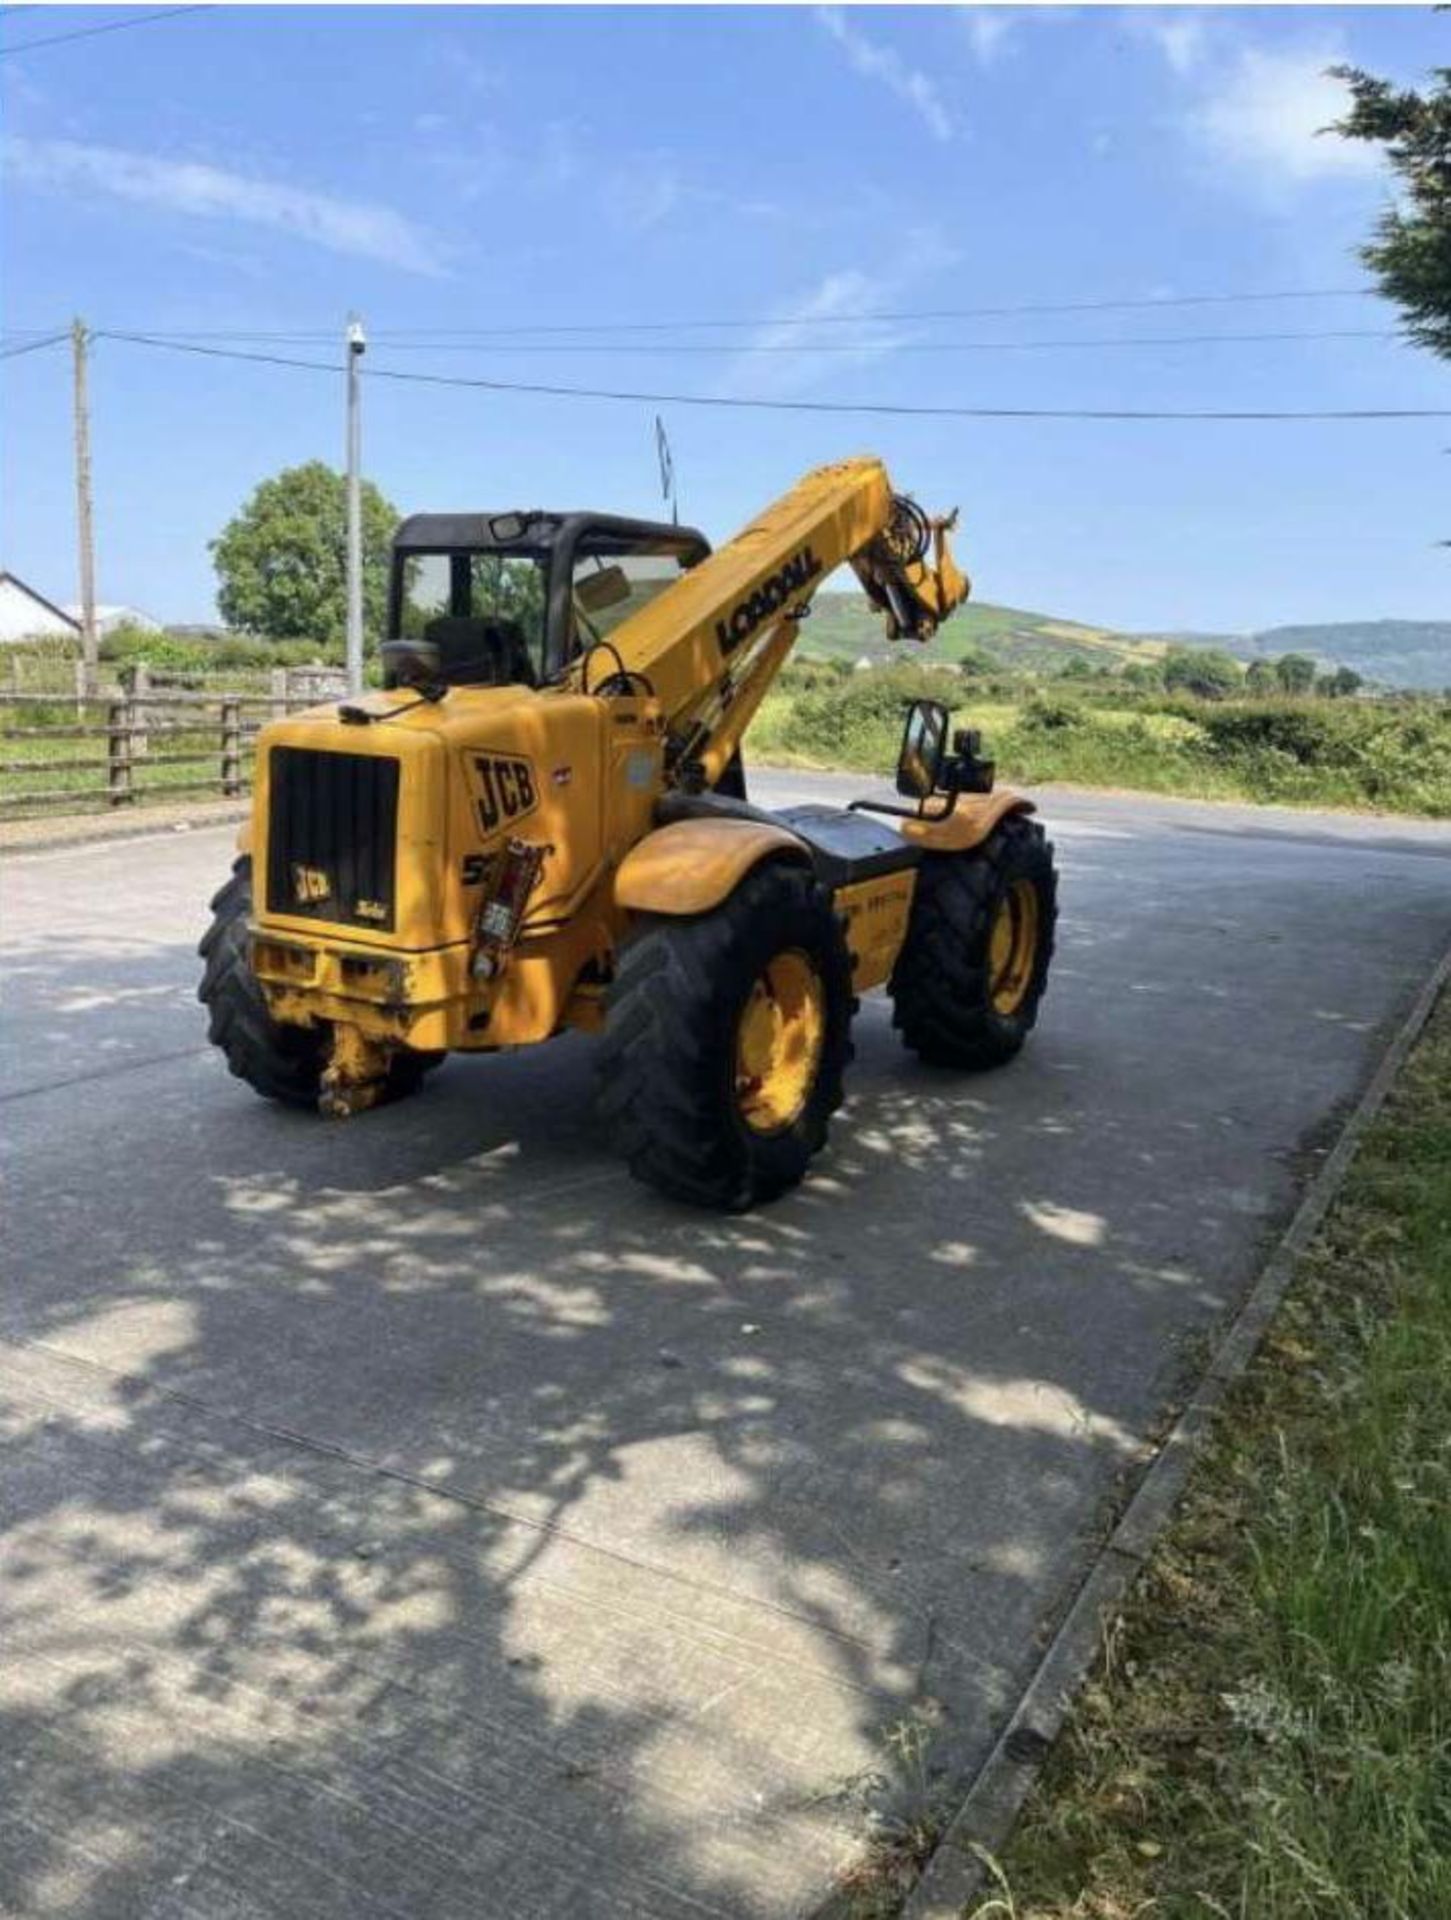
[725, 1042]
[280, 1062]
[973, 969]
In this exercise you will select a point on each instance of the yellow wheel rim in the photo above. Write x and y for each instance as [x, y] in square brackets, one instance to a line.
[1013, 947]
[779, 1039]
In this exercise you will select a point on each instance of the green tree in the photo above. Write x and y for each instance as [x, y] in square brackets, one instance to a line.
[1147, 674]
[1340, 684]
[1295, 672]
[1260, 677]
[282, 561]
[1208, 672]
[974, 662]
[1411, 253]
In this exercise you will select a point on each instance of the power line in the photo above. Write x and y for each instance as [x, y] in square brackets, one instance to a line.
[399, 344]
[33, 346]
[108, 26]
[297, 335]
[762, 404]
[936, 313]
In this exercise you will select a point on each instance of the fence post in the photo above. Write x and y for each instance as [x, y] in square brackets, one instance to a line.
[118, 752]
[140, 714]
[81, 691]
[231, 748]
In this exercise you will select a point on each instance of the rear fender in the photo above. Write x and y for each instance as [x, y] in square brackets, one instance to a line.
[691, 865]
[974, 816]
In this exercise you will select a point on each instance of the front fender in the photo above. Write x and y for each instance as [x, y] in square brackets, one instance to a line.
[691, 865]
[971, 820]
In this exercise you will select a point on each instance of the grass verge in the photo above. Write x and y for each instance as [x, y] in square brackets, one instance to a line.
[1268, 1732]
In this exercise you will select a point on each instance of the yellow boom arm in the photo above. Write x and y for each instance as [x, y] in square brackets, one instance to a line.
[712, 642]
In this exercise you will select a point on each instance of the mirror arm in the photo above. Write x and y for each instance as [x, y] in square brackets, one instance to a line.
[903, 813]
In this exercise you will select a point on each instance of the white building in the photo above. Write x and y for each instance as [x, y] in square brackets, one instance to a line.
[27, 615]
[108, 618]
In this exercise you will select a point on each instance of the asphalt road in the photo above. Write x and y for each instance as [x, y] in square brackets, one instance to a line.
[412, 1517]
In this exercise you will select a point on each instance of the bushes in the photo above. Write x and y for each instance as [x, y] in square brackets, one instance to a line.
[1043, 714]
[169, 653]
[1393, 754]
[857, 722]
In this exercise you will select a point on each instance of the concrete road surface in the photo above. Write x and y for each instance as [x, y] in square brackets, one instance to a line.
[413, 1517]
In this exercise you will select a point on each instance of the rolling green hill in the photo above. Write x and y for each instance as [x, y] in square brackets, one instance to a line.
[843, 626]
[1393, 653]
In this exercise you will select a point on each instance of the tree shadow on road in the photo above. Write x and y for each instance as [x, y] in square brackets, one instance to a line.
[413, 1517]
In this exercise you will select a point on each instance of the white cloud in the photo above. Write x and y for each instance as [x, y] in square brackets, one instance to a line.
[639, 194]
[993, 31]
[779, 357]
[1267, 113]
[988, 31]
[877, 62]
[640, 191]
[786, 354]
[190, 187]
[1181, 37]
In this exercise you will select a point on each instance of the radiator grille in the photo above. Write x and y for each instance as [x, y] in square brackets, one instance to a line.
[333, 823]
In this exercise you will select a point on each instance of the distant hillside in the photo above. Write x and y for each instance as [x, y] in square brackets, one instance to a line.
[843, 626]
[1394, 653]
[1399, 653]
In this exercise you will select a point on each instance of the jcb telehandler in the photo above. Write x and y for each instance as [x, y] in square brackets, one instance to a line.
[540, 823]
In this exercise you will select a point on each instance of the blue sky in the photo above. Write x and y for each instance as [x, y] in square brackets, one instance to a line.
[438, 168]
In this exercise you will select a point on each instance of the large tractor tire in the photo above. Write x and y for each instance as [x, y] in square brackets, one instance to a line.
[279, 1062]
[971, 974]
[725, 1042]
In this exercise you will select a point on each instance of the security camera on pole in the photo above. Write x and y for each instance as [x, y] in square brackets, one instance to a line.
[357, 346]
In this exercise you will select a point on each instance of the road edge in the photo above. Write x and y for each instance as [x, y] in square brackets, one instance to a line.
[956, 1871]
[108, 832]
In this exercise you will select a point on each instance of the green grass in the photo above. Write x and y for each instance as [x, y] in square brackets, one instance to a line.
[38, 765]
[1268, 1733]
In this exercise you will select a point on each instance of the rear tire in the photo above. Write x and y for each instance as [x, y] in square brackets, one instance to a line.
[280, 1062]
[958, 998]
[676, 1085]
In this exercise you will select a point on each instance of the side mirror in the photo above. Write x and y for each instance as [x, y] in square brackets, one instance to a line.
[607, 587]
[924, 743]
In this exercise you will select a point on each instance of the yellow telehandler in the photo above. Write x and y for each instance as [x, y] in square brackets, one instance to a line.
[540, 822]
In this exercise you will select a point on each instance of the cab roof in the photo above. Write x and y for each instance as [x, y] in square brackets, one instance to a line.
[540, 532]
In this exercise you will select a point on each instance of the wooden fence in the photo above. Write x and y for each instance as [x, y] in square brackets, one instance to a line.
[148, 743]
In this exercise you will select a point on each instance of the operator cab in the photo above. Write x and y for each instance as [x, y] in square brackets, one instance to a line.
[510, 599]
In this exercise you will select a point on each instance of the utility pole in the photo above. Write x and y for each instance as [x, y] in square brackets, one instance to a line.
[85, 537]
[357, 346]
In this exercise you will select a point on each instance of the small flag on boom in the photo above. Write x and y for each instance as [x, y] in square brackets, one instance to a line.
[667, 470]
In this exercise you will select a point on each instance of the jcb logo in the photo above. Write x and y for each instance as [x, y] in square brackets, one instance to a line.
[309, 885]
[506, 789]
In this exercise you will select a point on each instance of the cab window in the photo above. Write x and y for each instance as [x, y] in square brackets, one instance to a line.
[608, 588]
[484, 611]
